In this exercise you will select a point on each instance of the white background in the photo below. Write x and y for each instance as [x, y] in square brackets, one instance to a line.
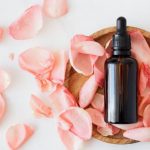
[85, 16]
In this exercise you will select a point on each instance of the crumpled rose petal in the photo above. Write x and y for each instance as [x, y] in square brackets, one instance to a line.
[42, 63]
[80, 120]
[83, 54]
[61, 99]
[97, 117]
[71, 141]
[59, 69]
[28, 25]
[4, 80]
[108, 130]
[146, 116]
[39, 107]
[139, 134]
[130, 126]
[17, 135]
[98, 102]
[2, 106]
[55, 8]
[87, 92]
[1, 33]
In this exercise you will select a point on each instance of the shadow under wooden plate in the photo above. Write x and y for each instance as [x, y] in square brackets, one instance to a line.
[74, 82]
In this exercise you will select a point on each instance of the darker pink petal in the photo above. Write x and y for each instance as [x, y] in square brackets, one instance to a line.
[97, 117]
[1, 33]
[39, 107]
[28, 25]
[80, 120]
[55, 8]
[2, 106]
[61, 99]
[42, 63]
[98, 102]
[146, 116]
[139, 134]
[87, 92]
[17, 135]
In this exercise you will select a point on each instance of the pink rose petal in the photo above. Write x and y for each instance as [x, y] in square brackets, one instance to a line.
[98, 102]
[71, 141]
[55, 8]
[4, 80]
[146, 116]
[17, 135]
[2, 106]
[87, 92]
[108, 130]
[83, 54]
[42, 63]
[1, 33]
[139, 134]
[61, 99]
[97, 117]
[80, 120]
[28, 25]
[39, 108]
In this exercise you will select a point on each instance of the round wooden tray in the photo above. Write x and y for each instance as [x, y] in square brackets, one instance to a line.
[74, 82]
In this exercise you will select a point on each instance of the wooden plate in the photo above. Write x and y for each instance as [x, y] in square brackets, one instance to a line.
[74, 82]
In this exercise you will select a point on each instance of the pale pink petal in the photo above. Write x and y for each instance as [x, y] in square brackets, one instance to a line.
[83, 48]
[130, 126]
[70, 140]
[28, 25]
[2, 106]
[1, 33]
[98, 102]
[55, 8]
[61, 99]
[108, 130]
[80, 120]
[37, 61]
[139, 134]
[59, 69]
[39, 107]
[97, 117]
[4, 80]
[140, 48]
[17, 135]
[87, 92]
[146, 116]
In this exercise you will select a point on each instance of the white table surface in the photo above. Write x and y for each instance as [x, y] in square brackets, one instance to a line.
[85, 16]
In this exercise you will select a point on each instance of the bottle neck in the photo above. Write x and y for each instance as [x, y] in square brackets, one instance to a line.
[119, 52]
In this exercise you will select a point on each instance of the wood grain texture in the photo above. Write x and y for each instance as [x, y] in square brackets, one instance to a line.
[74, 82]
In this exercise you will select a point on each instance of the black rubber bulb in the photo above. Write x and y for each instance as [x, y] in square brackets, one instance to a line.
[121, 25]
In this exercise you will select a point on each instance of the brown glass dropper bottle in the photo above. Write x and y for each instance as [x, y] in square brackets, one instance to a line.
[121, 79]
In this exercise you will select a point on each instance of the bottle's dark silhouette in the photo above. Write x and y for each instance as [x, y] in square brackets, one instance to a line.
[121, 79]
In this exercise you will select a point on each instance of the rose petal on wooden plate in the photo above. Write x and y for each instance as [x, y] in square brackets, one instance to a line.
[146, 116]
[55, 8]
[97, 117]
[87, 92]
[139, 134]
[39, 107]
[17, 135]
[98, 102]
[27, 25]
[80, 120]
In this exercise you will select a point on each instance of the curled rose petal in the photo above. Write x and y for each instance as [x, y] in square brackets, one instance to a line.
[1, 33]
[17, 135]
[70, 140]
[146, 116]
[80, 120]
[139, 134]
[39, 108]
[108, 130]
[55, 8]
[97, 117]
[4, 80]
[2, 106]
[42, 63]
[28, 25]
[87, 92]
[98, 102]
[83, 54]
[61, 99]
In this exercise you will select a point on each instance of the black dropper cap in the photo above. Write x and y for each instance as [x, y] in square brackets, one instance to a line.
[121, 39]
